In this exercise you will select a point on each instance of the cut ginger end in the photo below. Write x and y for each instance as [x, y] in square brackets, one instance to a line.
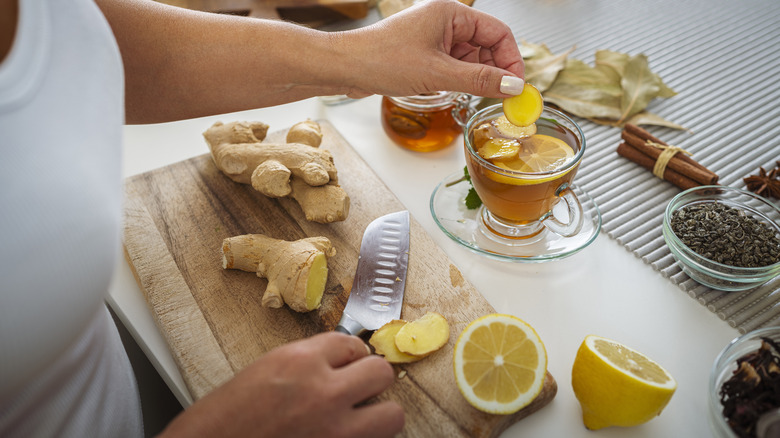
[315, 283]
[383, 341]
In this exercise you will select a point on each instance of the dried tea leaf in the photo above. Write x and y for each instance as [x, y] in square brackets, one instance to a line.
[542, 69]
[640, 86]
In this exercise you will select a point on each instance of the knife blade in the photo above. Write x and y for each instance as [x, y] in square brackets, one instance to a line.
[378, 289]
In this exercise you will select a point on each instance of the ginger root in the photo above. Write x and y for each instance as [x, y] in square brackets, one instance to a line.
[296, 271]
[296, 169]
[400, 341]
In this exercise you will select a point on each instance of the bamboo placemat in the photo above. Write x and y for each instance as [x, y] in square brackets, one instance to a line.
[722, 58]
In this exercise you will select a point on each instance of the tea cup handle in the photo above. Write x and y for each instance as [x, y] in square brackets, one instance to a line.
[574, 224]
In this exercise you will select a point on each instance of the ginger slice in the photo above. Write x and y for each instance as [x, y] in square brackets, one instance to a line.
[525, 108]
[383, 341]
[424, 335]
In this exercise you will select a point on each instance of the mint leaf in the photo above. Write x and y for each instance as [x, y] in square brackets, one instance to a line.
[472, 198]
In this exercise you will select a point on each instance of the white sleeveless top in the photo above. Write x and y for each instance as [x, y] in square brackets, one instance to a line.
[63, 370]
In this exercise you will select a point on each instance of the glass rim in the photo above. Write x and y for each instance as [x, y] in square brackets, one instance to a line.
[510, 173]
[431, 101]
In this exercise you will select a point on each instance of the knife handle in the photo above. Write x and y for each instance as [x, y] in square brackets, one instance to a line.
[349, 326]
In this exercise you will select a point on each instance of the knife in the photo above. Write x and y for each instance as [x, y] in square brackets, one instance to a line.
[378, 289]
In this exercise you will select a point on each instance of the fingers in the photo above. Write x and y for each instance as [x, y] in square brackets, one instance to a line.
[378, 420]
[340, 349]
[364, 379]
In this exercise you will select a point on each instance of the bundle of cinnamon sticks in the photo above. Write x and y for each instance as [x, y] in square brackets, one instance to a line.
[643, 148]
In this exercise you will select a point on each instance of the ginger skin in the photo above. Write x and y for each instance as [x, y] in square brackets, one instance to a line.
[299, 169]
[296, 270]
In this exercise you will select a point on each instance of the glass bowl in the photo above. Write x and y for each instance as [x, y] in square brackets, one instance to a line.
[722, 370]
[709, 272]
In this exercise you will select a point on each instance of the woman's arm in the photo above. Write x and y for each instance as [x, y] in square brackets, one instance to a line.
[182, 64]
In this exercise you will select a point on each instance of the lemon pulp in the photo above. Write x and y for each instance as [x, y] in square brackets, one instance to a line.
[618, 386]
[500, 364]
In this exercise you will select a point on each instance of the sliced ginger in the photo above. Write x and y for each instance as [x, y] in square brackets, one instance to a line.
[525, 108]
[423, 336]
[383, 341]
[499, 149]
[400, 341]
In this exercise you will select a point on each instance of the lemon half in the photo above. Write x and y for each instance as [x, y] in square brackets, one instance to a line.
[618, 386]
[500, 364]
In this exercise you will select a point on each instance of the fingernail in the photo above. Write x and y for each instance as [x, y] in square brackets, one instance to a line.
[511, 85]
[368, 349]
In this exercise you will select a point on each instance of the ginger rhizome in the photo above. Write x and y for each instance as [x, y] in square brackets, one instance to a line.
[298, 169]
[296, 270]
[400, 341]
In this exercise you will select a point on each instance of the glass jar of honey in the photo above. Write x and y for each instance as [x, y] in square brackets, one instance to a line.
[422, 123]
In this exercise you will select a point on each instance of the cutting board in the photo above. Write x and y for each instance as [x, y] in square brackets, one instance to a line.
[175, 220]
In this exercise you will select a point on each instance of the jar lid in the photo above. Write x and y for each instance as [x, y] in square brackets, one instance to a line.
[427, 101]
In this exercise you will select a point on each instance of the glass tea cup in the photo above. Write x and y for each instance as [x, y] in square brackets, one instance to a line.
[519, 205]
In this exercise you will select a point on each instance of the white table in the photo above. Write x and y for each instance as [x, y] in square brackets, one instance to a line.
[602, 290]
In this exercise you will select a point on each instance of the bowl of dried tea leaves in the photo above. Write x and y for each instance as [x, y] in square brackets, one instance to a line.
[724, 238]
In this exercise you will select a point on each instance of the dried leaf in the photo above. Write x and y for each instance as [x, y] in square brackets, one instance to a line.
[617, 61]
[542, 69]
[648, 118]
[586, 92]
[531, 50]
[640, 86]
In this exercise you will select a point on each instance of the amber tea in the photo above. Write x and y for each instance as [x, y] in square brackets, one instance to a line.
[521, 173]
[421, 123]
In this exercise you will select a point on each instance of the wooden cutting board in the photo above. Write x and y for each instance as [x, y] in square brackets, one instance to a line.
[175, 220]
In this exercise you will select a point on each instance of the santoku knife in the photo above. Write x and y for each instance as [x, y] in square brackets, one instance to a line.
[378, 290]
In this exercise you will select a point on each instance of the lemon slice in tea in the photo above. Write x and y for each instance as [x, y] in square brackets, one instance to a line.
[618, 386]
[525, 108]
[500, 364]
[540, 153]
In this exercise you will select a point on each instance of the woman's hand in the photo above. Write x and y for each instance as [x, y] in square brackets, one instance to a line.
[312, 387]
[437, 45]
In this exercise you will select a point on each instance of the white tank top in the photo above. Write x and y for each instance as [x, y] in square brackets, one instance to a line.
[62, 367]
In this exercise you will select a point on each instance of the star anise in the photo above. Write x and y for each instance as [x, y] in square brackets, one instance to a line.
[765, 183]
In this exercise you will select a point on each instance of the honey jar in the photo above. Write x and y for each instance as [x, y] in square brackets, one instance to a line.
[422, 123]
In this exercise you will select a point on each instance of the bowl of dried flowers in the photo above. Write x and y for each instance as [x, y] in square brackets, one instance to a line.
[744, 386]
[724, 238]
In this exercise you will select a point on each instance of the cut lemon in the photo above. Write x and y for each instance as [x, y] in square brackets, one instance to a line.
[500, 364]
[540, 153]
[525, 108]
[618, 386]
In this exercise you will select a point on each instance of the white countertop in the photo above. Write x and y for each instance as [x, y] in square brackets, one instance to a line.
[603, 290]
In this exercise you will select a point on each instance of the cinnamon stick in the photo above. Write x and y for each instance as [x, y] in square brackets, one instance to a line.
[674, 177]
[637, 137]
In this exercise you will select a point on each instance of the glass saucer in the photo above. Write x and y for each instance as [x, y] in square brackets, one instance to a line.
[463, 226]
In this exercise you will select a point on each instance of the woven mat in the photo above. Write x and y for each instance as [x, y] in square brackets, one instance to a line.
[723, 59]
